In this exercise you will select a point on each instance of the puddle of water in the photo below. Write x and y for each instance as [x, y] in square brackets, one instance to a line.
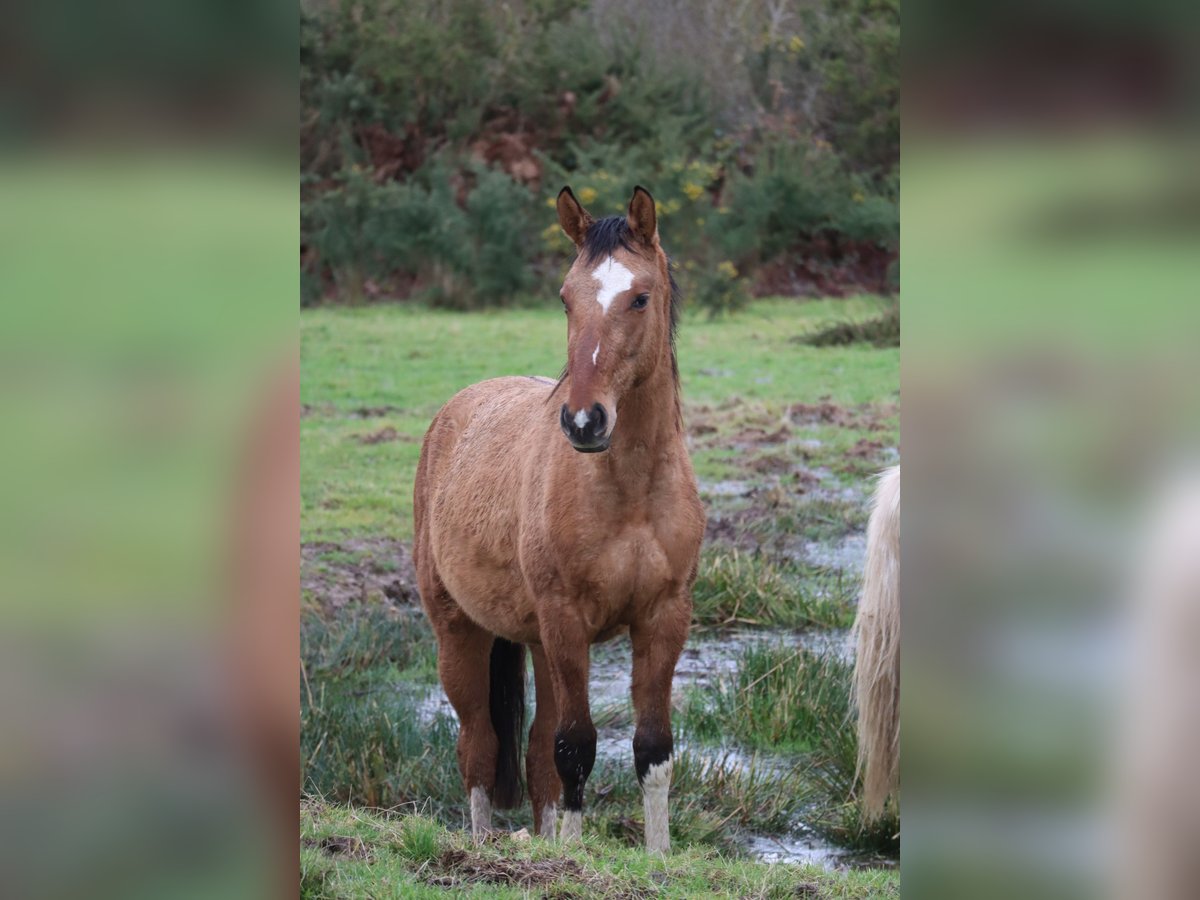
[848, 554]
[803, 849]
[727, 488]
[704, 660]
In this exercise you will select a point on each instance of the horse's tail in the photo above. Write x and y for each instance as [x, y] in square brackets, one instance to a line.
[877, 663]
[507, 702]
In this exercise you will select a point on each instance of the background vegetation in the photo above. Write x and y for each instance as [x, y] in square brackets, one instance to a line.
[434, 135]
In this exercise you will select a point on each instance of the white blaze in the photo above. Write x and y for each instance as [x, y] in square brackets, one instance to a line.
[581, 419]
[614, 279]
[595, 353]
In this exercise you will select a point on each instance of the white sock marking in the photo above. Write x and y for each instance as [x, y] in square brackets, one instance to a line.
[572, 826]
[614, 279]
[581, 419]
[655, 787]
[481, 813]
[595, 353]
[549, 821]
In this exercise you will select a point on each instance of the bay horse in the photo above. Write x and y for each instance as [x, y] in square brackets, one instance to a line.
[543, 521]
[876, 685]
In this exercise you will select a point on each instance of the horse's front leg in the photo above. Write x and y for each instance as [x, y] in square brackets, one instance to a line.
[566, 647]
[657, 642]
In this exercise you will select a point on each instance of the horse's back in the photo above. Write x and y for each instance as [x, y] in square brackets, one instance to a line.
[491, 409]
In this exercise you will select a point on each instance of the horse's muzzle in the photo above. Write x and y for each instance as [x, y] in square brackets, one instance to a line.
[586, 429]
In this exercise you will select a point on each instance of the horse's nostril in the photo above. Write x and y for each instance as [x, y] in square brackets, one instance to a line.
[564, 419]
[599, 418]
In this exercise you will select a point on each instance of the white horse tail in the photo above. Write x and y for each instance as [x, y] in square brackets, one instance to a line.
[876, 687]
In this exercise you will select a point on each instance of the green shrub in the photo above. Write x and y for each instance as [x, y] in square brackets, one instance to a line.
[417, 233]
[853, 53]
[776, 137]
[882, 331]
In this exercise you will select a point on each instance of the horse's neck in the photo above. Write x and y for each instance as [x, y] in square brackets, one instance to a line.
[648, 422]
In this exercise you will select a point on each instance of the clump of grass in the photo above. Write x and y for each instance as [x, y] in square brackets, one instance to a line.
[317, 872]
[367, 636]
[882, 331]
[362, 741]
[794, 700]
[736, 588]
[774, 701]
[420, 841]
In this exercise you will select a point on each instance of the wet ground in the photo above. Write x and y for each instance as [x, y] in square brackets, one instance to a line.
[705, 659]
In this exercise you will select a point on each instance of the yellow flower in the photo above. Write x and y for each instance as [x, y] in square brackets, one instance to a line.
[693, 190]
[858, 197]
[796, 44]
[552, 202]
[587, 195]
[550, 233]
[700, 221]
[728, 269]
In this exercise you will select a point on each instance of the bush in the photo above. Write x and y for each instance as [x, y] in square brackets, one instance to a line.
[882, 331]
[431, 132]
[797, 195]
[416, 234]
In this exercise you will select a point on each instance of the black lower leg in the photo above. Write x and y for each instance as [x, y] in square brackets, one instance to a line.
[574, 756]
[651, 746]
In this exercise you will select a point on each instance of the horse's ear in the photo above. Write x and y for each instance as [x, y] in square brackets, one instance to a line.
[643, 221]
[572, 217]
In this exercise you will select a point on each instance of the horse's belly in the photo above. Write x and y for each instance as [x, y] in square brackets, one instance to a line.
[486, 584]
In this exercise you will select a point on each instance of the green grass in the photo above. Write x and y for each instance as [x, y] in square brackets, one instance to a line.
[737, 588]
[348, 852]
[368, 369]
[791, 700]
[783, 437]
[363, 742]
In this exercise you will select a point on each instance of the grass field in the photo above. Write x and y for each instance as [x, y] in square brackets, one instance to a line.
[352, 853]
[784, 437]
[392, 367]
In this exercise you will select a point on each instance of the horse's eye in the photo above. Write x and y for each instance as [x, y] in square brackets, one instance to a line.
[640, 301]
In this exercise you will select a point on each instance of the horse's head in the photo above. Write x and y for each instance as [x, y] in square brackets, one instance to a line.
[617, 297]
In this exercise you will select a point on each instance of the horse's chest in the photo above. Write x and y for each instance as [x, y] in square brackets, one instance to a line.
[628, 566]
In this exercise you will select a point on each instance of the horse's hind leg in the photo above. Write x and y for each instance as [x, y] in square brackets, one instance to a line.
[544, 784]
[464, 653]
